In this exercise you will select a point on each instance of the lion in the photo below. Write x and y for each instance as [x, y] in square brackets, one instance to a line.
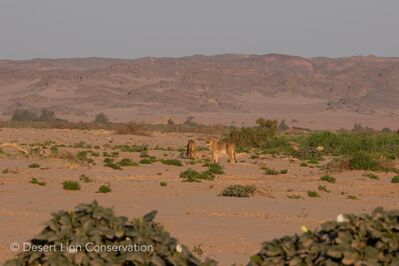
[191, 149]
[221, 147]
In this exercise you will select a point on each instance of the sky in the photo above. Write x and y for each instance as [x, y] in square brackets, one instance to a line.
[176, 28]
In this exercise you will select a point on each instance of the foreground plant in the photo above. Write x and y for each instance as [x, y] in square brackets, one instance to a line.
[142, 241]
[368, 239]
[240, 191]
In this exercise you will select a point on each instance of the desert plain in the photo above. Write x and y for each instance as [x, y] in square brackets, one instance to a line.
[227, 229]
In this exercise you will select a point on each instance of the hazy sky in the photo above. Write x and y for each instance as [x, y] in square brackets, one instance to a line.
[133, 28]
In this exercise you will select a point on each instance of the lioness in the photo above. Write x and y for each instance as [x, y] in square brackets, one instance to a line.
[221, 148]
[191, 149]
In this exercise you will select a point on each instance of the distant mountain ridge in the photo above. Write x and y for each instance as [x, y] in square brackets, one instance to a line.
[195, 84]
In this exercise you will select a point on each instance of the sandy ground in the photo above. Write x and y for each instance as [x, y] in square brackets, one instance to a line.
[227, 229]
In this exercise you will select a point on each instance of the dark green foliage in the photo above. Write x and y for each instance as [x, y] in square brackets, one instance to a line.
[34, 165]
[368, 239]
[127, 162]
[313, 194]
[174, 162]
[214, 168]
[363, 161]
[269, 171]
[86, 156]
[112, 165]
[163, 184]
[191, 175]
[104, 189]
[328, 178]
[91, 223]
[71, 185]
[278, 145]
[37, 182]
[251, 137]
[395, 179]
[145, 161]
[240, 191]
[284, 171]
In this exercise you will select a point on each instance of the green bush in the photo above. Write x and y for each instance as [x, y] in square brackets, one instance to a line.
[251, 137]
[71, 185]
[191, 175]
[363, 161]
[313, 194]
[174, 162]
[214, 168]
[395, 179]
[240, 191]
[37, 182]
[284, 171]
[145, 161]
[127, 162]
[112, 165]
[163, 183]
[34, 165]
[368, 239]
[91, 223]
[104, 189]
[328, 178]
[269, 171]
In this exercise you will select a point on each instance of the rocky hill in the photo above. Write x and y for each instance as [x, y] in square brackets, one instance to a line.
[228, 86]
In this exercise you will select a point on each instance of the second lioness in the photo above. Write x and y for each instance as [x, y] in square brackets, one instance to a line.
[191, 149]
[215, 147]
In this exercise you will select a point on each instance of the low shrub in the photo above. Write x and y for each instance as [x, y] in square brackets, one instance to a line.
[127, 162]
[163, 184]
[37, 182]
[313, 194]
[104, 189]
[395, 179]
[145, 161]
[71, 185]
[240, 191]
[113, 165]
[191, 175]
[91, 223]
[364, 161]
[367, 239]
[328, 178]
[269, 171]
[34, 165]
[214, 168]
[284, 171]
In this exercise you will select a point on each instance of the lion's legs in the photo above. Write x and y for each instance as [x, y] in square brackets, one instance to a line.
[214, 158]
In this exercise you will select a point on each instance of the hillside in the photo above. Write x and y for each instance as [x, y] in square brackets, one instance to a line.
[229, 88]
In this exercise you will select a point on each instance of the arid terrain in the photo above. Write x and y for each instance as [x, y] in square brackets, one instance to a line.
[226, 229]
[316, 93]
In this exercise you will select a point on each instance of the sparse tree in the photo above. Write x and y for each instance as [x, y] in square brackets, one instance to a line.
[101, 118]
